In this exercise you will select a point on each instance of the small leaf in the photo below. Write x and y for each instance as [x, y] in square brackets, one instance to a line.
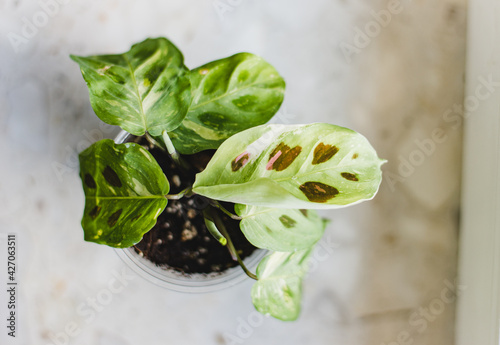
[229, 95]
[144, 89]
[125, 192]
[214, 231]
[314, 166]
[278, 291]
[279, 229]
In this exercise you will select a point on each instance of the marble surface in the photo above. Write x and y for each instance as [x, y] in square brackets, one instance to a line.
[390, 70]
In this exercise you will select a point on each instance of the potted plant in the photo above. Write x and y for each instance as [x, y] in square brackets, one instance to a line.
[201, 134]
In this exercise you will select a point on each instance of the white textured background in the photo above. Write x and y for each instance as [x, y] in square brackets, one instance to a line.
[391, 257]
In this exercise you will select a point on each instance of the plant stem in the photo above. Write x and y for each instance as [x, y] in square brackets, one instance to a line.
[230, 246]
[171, 149]
[215, 203]
[182, 193]
[153, 141]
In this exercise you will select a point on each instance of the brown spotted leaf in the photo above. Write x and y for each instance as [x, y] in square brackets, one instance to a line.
[125, 192]
[293, 166]
[278, 229]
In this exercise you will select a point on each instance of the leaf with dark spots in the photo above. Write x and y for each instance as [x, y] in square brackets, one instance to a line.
[287, 221]
[282, 157]
[89, 181]
[95, 212]
[304, 212]
[318, 192]
[349, 176]
[243, 90]
[354, 156]
[280, 160]
[239, 161]
[119, 217]
[323, 153]
[111, 177]
[114, 218]
[279, 229]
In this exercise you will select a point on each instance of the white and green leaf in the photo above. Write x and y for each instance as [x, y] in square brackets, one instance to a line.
[228, 96]
[315, 166]
[125, 192]
[144, 89]
[278, 229]
[278, 290]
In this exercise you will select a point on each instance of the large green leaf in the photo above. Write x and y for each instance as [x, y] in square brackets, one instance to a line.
[293, 166]
[278, 291]
[229, 95]
[125, 192]
[144, 89]
[279, 229]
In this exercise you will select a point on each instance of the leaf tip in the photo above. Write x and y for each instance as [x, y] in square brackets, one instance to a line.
[75, 58]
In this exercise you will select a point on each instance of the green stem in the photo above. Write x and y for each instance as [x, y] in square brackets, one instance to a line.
[173, 152]
[215, 203]
[230, 246]
[168, 143]
[182, 193]
[153, 141]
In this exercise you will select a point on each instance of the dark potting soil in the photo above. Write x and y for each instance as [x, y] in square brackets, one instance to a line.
[180, 239]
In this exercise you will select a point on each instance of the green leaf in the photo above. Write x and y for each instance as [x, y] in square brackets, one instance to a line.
[125, 192]
[293, 166]
[278, 291]
[144, 89]
[229, 95]
[279, 229]
[214, 231]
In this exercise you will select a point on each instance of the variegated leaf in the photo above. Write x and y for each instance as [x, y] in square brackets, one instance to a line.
[283, 230]
[144, 89]
[278, 291]
[293, 166]
[229, 95]
[125, 192]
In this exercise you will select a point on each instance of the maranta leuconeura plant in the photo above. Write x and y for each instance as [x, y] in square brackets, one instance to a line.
[276, 175]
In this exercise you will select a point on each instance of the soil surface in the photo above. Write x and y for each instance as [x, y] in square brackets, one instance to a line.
[180, 239]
